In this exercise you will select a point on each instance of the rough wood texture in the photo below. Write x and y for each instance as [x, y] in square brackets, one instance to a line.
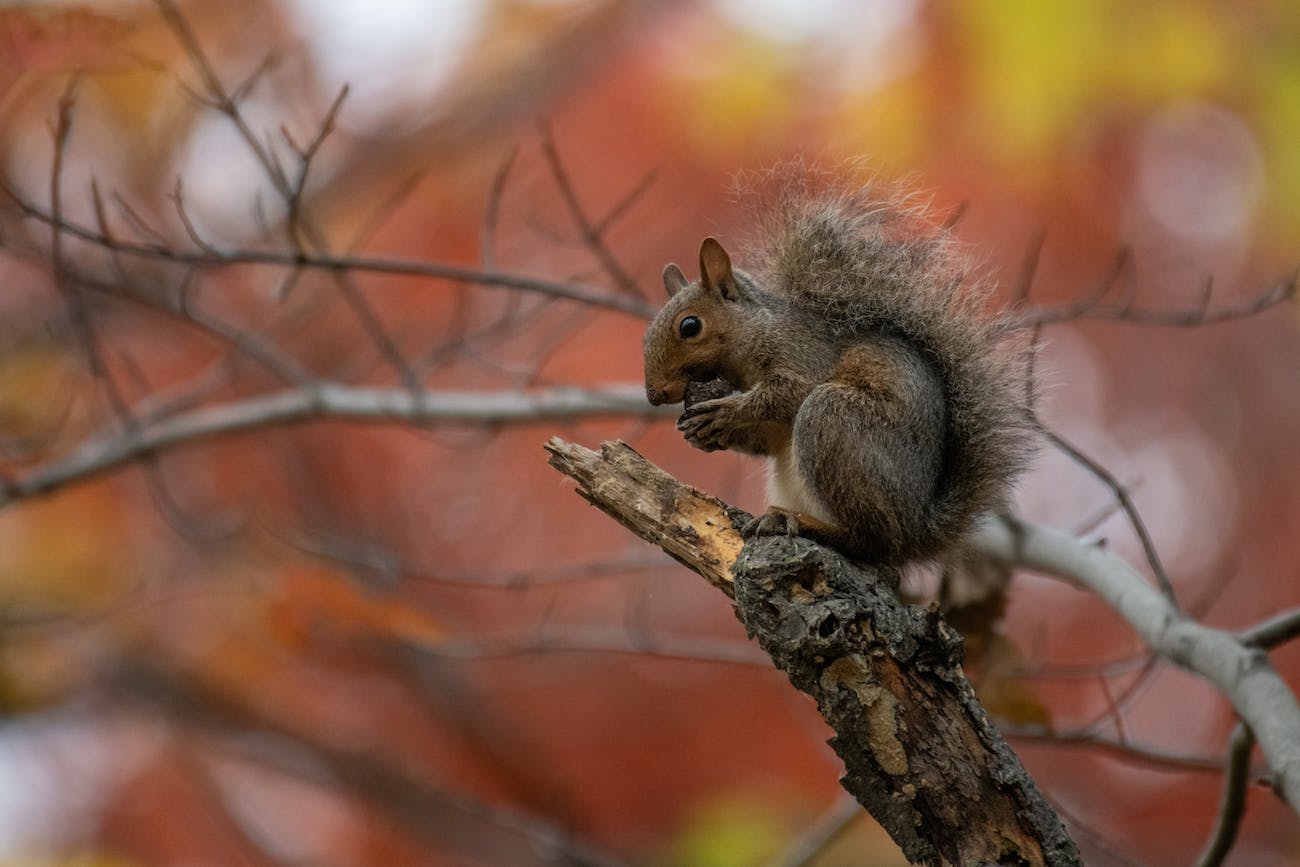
[919, 751]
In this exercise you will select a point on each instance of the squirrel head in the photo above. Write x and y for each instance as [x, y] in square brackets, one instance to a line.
[691, 336]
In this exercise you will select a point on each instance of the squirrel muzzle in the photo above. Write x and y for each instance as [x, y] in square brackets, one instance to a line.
[660, 396]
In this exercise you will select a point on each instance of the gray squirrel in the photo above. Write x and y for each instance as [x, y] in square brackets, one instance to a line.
[861, 362]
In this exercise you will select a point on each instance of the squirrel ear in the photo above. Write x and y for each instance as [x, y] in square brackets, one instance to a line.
[715, 269]
[674, 280]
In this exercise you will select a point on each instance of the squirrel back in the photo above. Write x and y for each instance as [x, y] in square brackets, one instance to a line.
[867, 262]
[869, 369]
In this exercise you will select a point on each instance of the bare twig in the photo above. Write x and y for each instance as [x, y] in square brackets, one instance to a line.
[187, 311]
[1243, 674]
[365, 313]
[1029, 269]
[424, 809]
[591, 233]
[331, 263]
[77, 312]
[492, 214]
[1125, 502]
[1233, 805]
[1151, 758]
[624, 204]
[1194, 317]
[808, 848]
[1107, 478]
[1274, 631]
[604, 641]
[306, 154]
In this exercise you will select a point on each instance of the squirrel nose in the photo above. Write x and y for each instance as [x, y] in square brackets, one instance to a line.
[656, 396]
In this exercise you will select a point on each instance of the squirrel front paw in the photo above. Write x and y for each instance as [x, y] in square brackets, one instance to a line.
[709, 424]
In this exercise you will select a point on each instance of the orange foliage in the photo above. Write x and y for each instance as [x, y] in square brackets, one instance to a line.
[433, 600]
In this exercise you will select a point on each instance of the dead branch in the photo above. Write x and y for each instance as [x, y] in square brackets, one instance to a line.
[920, 752]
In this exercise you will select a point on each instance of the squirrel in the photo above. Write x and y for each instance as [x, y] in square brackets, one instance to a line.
[889, 403]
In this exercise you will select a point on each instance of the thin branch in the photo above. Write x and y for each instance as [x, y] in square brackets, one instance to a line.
[1107, 478]
[591, 233]
[1095, 838]
[1122, 497]
[492, 214]
[1029, 269]
[1151, 758]
[216, 95]
[330, 263]
[1116, 704]
[137, 222]
[1083, 307]
[380, 560]
[178, 203]
[187, 526]
[434, 814]
[264, 352]
[1233, 805]
[77, 312]
[623, 205]
[366, 314]
[1243, 674]
[110, 450]
[1274, 631]
[603, 641]
[306, 155]
[808, 848]
[1194, 317]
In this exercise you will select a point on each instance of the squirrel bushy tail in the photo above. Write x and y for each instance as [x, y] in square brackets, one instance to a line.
[869, 262]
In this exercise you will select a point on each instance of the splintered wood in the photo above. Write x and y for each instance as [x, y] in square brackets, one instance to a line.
[696, 529]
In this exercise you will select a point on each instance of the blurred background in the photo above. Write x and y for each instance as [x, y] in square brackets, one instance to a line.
[348, 644]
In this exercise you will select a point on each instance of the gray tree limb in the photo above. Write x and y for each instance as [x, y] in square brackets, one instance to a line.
[1242, 673]
[115, 447]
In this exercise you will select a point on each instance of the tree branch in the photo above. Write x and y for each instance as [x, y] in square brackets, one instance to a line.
[209, 257]
[115, 448]
[919, 751]
[1233, 806]
[1242, 673]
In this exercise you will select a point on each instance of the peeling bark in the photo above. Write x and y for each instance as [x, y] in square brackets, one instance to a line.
[920, 753]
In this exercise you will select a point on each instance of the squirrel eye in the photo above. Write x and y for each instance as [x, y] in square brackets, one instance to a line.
[690, 326]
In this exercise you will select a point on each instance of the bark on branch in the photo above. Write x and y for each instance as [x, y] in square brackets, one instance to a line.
[919, 751]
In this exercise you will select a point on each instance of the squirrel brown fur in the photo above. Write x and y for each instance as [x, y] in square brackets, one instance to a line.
[887, 398]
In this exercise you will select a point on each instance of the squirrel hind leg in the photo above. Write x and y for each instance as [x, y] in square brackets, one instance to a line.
[779, 521]
[870, 448]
